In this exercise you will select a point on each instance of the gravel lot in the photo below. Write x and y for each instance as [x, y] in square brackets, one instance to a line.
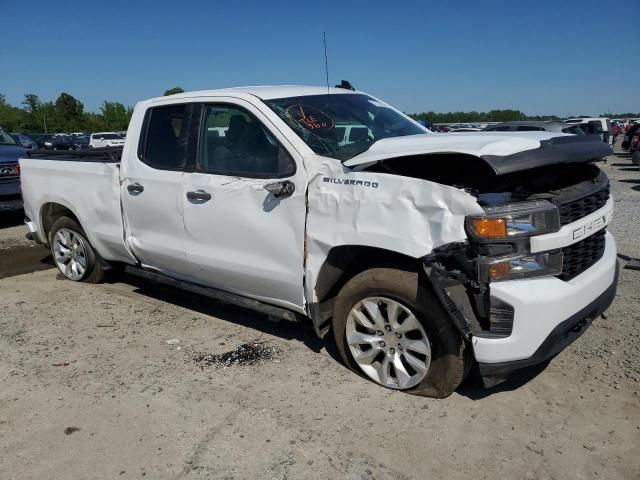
[101, 381]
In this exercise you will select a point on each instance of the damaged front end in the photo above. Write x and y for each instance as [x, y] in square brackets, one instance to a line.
[502, 246]
[452, 272]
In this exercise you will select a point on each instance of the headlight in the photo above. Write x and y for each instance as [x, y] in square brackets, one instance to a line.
[545, 264]
[514, 220]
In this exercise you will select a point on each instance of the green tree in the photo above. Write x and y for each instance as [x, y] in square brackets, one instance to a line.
[11, 118]
[173, 91]
[31, 102]
[69, 112]
[115, 116]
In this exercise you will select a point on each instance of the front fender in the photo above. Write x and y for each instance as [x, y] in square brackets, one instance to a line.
[405, 215]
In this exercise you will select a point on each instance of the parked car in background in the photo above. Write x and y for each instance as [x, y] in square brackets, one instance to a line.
[41, 139]
[595, 126]
[535, 126]
[60, 142]
[462, 125]
[347, 134]
[24, 140]
[629, 134]
[80, 142]
[634, 142]
[10, 152]
[105, 139]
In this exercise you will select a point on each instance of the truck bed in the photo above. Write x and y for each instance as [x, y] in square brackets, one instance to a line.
[87, 183]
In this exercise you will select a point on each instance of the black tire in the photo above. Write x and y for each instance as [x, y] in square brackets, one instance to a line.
[95, 271]
[450, 359]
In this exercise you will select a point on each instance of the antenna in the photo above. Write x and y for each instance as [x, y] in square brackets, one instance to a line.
[326, 62]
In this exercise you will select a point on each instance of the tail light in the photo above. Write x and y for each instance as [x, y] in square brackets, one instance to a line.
[10, 170]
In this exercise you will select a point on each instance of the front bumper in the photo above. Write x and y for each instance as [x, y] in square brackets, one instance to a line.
[563, 335]
[548, 315]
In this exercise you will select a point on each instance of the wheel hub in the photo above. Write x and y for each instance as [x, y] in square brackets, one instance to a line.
[388, 342]
[69, 253]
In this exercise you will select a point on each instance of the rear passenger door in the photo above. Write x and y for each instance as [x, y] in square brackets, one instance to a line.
[242, 234]
[152, 191]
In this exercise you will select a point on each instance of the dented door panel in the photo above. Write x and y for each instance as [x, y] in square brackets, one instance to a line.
[244, 240]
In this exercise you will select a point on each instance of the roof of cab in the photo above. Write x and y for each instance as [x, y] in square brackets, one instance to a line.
[264, 92]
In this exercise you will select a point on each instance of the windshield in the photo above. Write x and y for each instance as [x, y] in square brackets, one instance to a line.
[6, 139]
[342, 125]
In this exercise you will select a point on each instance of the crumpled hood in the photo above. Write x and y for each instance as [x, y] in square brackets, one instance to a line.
[505, 152]
[11, 153]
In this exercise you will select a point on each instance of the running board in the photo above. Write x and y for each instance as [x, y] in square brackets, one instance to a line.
[219, 295]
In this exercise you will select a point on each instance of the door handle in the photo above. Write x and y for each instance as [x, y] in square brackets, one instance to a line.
[199, 195]
[135, 188]
[282, 189]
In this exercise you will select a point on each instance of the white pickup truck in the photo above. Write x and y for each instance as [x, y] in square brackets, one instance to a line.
[422, 252]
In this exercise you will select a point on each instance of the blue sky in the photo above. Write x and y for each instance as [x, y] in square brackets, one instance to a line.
[549, 56]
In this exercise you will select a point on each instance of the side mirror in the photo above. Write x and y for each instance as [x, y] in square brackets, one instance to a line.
[282, 189]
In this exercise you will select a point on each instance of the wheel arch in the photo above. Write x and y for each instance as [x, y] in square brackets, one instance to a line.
[341, 264]
[52, 211]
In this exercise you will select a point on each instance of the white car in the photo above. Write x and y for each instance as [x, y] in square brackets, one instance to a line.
[593, 125]
[105, 139]
[421, 252]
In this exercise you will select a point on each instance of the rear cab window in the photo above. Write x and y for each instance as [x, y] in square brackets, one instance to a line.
[163, 142]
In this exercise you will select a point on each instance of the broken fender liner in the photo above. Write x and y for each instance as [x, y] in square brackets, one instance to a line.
[447, 286]
[565, 149]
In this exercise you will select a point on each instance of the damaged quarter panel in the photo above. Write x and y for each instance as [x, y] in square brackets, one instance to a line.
[405, 215]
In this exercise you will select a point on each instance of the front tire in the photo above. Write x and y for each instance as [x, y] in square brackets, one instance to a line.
[390, 328]
[73, 254]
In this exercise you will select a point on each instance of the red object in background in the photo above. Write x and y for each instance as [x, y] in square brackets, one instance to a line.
[635, 140]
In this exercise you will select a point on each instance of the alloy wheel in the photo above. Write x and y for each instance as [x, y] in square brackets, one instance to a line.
[388, 342]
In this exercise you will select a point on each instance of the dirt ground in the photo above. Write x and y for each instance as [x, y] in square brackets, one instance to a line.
[92, 389]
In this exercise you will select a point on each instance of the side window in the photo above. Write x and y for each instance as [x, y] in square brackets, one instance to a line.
[234, 142]
[166, 138]
[595, 127]
[358, 133]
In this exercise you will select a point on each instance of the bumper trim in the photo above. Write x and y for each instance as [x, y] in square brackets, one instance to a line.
[563, 335]
[33, 231]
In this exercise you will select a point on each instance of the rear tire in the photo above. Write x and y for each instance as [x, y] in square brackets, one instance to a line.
[416, 333]
[72, 253]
